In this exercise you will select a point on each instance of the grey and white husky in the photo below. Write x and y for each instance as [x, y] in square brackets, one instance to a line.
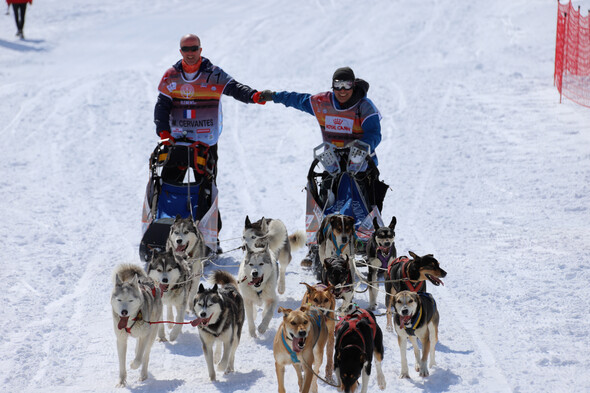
[257, 281]
[186, 241]
[173, 276]
[272, 232]
[135, 302]
[220, 317]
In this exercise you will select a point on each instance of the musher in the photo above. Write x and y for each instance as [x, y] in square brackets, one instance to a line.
[344, 114]
[189, 108]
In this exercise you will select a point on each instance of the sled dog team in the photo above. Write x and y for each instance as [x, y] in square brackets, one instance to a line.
[349, 335]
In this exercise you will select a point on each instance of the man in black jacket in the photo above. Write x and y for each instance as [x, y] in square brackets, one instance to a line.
[188, 110]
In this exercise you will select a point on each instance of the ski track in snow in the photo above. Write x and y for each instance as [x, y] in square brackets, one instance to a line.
[487, 172]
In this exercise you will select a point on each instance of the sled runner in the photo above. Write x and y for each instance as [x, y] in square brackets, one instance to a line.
[344, 181]
[166, 197]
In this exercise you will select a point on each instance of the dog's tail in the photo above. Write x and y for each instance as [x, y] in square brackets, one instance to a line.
[223, 278]
[297, 239]
[127, 271]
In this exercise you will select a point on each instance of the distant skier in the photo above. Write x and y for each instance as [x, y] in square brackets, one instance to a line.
[344, 114]
[20, 8]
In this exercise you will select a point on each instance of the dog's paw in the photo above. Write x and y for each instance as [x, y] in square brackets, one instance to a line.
[381, 381]
[212, 376]
[174, 333]
[229, 370]
[122, 383]
[423, 371]
[143, 376]
[162, 339]
[389, 328]
[262, 329]
[404, 374]
[252, 333]
[135, 364]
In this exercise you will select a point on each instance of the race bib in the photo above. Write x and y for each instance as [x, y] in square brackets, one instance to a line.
[340, 125]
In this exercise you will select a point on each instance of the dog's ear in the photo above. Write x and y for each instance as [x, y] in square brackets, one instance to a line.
[310, 289]
[263, 225]
[393, 222]
[248, 224]
[375, 223]
[413, 255]
[304, 308]
[118, 280]
[285, 311]
[214, 288]
[201, 288]
[177, 218]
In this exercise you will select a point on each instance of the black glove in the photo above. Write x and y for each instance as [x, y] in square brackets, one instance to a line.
[266, 95]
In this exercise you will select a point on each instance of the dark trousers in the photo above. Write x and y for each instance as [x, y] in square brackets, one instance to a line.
[19, 15]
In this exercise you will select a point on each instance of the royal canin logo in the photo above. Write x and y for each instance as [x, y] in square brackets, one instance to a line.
[338, 121]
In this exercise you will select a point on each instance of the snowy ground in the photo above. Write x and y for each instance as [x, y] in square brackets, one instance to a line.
[488, 172]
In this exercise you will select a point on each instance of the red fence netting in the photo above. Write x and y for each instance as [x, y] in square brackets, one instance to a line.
[572, 54]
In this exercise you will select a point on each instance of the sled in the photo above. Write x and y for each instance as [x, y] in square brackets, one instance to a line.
[337, 184]
[165, 200]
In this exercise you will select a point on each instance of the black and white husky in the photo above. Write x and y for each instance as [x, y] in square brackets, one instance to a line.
[257, 281]
[173, 276]
[186, 241]
[272, 232]
[135, 302]
[220, 317]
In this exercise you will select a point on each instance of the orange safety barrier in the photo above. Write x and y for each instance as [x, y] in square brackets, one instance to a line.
[572, 54]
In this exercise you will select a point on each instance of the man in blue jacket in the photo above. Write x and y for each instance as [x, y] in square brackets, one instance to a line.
[344, 114]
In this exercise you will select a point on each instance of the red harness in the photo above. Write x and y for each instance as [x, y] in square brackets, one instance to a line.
[353, 320]
[405, 261]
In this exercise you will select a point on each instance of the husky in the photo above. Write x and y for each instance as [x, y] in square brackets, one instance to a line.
[220, 317]
[258, 285]
[410, 274]
[380, 251]
[173, 276]
[274, 233]
[301, 338]
[186, 241]
[135, 302]
[358, 338]
[416, 316]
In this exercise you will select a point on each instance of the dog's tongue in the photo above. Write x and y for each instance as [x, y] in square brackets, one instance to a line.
[298, 344]
[163, 287]
[200, 321]
[181, 248]
[122, 322]
[256, 280]
[403, 320]
[435, 280]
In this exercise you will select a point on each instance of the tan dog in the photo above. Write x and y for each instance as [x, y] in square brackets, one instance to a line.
[322, 297]
[300, 341]
[416, 316]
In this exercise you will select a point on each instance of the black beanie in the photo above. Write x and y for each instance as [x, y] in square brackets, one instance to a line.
[343, 74]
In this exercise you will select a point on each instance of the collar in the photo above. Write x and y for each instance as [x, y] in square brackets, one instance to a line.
[191, 69]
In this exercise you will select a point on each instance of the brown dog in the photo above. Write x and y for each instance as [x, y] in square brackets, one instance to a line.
[300, 341]
[321, 296]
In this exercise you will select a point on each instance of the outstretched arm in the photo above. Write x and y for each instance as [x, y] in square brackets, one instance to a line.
[299, 101]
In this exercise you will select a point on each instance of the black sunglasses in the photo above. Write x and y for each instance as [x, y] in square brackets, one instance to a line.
[193, 48]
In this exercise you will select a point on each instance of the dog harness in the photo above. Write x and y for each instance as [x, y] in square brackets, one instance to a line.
[422, 317]
[383, 256]
[292, 353]
[352, 320]
[404, 263]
